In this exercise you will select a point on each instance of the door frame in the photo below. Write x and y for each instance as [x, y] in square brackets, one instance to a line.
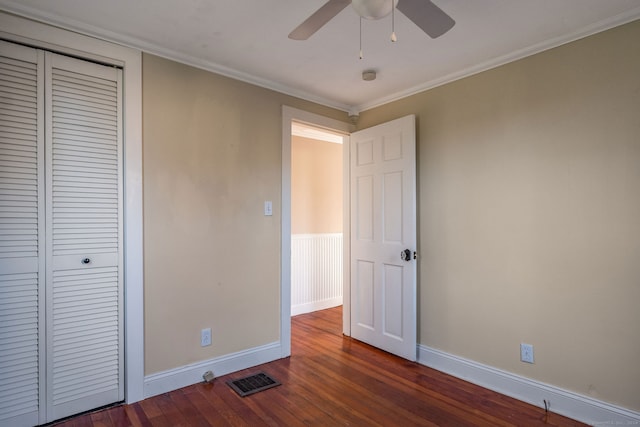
[44, 36]
[289, 115]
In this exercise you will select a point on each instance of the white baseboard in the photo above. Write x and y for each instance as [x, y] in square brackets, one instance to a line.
[563, 402]
[163, 382]
[315, 306]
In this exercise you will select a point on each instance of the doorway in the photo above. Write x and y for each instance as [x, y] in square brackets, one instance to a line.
[316, 219]
[292, 115]
[380, 267]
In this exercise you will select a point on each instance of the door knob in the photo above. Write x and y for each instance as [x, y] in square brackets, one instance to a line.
[405, 255]
[86, 260]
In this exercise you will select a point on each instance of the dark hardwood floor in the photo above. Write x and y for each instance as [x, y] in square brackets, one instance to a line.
[330, 380]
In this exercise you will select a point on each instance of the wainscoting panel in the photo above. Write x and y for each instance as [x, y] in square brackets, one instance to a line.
[316, 272]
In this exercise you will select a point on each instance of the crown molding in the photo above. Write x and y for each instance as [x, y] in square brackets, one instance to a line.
[589, 30]
[211, 66]
[132, 42]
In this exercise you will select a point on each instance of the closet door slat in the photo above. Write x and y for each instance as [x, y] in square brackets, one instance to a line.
[21, 232]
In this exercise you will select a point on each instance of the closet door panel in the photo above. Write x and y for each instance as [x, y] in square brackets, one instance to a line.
[84, 245]
[21, 233]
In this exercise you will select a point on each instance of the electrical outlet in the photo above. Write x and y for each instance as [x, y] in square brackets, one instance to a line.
[526, 353]
[205, 337]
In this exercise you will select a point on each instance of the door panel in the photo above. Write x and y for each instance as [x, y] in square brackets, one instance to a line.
[392, 207]
[392, 296]
[84, 236]
[364, 207]
[364, 315]
[21, 233]
[383, 225]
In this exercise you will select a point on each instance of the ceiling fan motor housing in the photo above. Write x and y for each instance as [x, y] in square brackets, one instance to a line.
[373, 9]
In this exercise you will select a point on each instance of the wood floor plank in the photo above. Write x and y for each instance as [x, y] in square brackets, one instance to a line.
[391, 398]
[137, 416]
[189, 413]
[83, 420]
[100, 419]
[331, 380]
[208, 411]
[300, 409]
[169, 410]
[118, 417]
[302, 400]
[243, 411]
[384, 366]
[398, 389]
[153, 412]
[334, 410]
[213, 394]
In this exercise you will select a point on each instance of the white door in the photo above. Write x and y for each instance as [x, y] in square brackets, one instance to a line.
[383, 227]
[21, 233]
[84, 236]
[61, 333]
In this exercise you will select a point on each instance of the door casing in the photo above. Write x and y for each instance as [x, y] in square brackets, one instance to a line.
[289, 115]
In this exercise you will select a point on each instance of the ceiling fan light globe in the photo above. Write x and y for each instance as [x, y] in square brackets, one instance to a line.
[373, 9]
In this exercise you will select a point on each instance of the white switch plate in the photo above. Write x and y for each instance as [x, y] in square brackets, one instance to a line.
[268, 208]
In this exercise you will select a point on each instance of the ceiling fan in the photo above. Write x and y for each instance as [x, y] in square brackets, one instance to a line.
[424, 13]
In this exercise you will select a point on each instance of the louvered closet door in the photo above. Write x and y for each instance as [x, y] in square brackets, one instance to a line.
[21, 233]
[84, 236]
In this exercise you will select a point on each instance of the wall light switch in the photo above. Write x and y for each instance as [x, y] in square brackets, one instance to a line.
[268, 208]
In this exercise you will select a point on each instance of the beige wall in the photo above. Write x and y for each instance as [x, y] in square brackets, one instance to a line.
[316, 186]
[212, 156]
[529, 215]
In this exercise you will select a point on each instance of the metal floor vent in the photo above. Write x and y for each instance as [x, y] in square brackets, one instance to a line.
[252, 384]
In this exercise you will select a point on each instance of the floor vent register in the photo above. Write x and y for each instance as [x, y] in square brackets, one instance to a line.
[253, 384]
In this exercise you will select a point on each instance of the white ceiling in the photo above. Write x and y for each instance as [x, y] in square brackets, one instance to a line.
[247, 40]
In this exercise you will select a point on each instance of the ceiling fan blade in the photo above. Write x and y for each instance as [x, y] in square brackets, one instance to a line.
[318, 19]
[426, 15]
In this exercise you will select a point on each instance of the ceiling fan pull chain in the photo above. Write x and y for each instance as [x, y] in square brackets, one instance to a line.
[393, 22]
[361, 55]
